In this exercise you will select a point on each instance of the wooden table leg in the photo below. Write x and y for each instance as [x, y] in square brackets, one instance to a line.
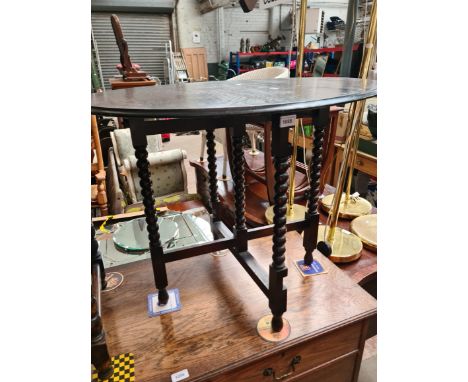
[99, 353]
[320, 118]
[157, 255]
[278, 269]
[213, 178]
[238, 176]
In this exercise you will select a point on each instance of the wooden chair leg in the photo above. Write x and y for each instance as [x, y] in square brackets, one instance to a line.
[102, 199]
[99, 353]
[101, 360]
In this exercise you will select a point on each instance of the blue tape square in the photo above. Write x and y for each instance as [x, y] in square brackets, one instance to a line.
[173, 304]
[314, 269]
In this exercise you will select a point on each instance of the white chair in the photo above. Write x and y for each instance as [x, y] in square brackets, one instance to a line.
[263, 74]
[167, 168]
[220, 134]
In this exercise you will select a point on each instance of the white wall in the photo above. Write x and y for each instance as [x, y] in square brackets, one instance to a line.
[256, 25]
[237, 24]
[280, 17]
[189, 20]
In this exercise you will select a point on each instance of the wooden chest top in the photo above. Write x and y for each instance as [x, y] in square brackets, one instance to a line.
[215, 331]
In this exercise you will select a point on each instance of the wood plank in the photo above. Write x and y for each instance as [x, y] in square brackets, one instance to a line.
[300, 142]
[195, 60]
[364, 162]
[119, 83]
[215, 332]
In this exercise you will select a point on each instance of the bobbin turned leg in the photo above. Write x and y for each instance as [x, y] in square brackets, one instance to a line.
[320, 120]
[159, 267]
[213, 180]
[278, 269]
[240, 229]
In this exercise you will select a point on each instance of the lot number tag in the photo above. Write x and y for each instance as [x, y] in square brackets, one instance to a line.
[180, 375]
[288, 120]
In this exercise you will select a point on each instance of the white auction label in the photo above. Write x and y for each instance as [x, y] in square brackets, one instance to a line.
[180, 375]
[288, 120]
[263, 4]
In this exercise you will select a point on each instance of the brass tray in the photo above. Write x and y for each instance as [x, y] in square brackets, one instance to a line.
[346, 246]
[365, 227]
[354, 208]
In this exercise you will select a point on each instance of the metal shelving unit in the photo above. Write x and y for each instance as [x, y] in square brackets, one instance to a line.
[235, 57]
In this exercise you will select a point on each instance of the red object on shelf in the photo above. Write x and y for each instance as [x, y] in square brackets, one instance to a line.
[329, 50]
[319, 50]
[166, 137]
[263, 53]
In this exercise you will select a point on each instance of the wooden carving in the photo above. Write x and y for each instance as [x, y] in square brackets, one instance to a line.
[129, 72]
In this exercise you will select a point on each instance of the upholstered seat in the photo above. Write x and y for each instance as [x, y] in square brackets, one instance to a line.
[168, 176]
[123, 148]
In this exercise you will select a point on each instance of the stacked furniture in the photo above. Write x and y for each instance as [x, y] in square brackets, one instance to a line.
[168, 175]
[98, 173]
[322, 334]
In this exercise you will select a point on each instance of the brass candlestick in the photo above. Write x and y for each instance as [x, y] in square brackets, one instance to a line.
[345, 245]
[350, 206]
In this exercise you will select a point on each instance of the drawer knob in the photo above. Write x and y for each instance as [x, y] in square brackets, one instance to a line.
[268, 372]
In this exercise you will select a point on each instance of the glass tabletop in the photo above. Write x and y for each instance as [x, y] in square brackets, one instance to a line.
[130, 242]
[132, 235]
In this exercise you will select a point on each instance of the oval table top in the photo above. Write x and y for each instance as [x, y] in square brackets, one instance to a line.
[231, 98]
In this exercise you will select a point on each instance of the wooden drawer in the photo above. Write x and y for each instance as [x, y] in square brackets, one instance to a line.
[366, 165]
[339, 370]
[313, 354]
